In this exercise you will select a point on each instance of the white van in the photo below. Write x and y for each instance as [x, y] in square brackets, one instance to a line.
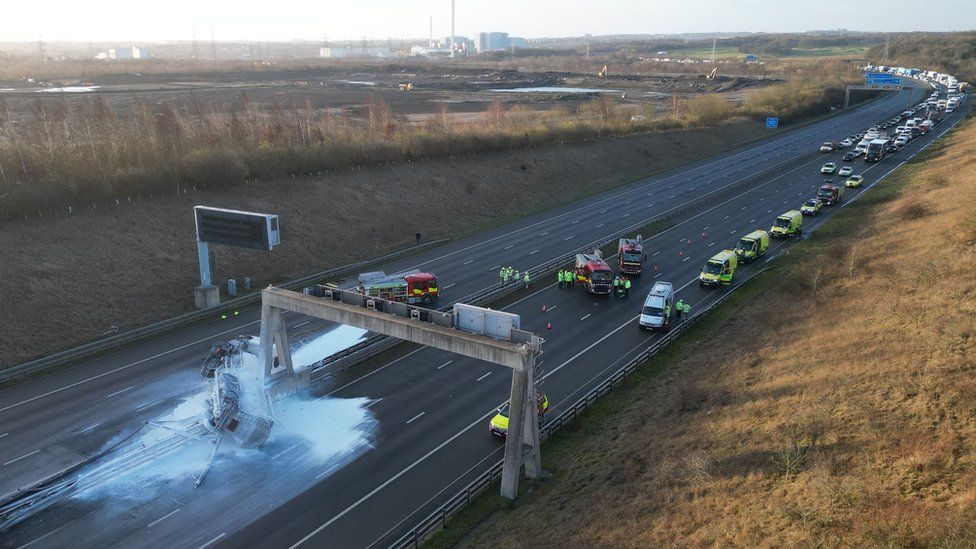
[658, 302]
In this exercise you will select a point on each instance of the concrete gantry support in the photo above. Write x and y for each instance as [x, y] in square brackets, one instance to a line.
[522, 442]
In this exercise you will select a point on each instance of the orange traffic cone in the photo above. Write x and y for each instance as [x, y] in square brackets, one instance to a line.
[543, 307]
[548, 325]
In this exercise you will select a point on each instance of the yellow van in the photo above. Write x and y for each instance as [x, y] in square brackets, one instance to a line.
[719, 269]
[787, 224]
[752, 246]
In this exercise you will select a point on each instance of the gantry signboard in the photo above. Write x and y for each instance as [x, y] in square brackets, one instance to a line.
[258, 231]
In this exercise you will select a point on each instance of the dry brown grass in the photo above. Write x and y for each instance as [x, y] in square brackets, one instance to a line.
[847, 421]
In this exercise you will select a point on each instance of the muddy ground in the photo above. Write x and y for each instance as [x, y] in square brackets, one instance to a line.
[68, 279]
[345, 90]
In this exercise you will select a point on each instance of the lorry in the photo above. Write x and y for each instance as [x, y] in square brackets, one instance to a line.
[414, 287]
[594, 273]
[719, 269]
[752, 246]
[658, 307]
[631, 255]
[787, 224]
[877, 150]
[829, 194]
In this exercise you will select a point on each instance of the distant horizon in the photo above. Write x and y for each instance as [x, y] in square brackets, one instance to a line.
[305, 20]
[688, 36]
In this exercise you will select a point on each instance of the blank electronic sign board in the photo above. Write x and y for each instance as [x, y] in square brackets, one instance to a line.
[238, 228]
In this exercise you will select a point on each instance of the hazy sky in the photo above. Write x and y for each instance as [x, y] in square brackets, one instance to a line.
[145, 20]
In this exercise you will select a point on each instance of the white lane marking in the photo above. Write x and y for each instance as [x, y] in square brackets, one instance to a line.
[129, 388]
[326, 472]
[769, 211]
[626, 215]
[726, 217]
[510, 246]
[211, 542]
[587, 316]
[732, 231]
[3, 435]
[603, 211]
[380, 369]
[711, 244]
[15, 460]
[445, 364]
[744, 207]
[672, 196]
[300, 325]
[600, 225]
[285, 451]
[753, 220]
[762, 198]
[495, 267]
[628, 202]
[657, 275]
[164, 517]
[127, 366]
[545, 233]
[533, 252]
[686, 259]
[468, 262]
[786, 202]
[568, 237]
[416, 417]
[448, 286]
[28, 544]
[482, 377]
[90, 427]
[655, 253]
[577, 221]
[553, 308]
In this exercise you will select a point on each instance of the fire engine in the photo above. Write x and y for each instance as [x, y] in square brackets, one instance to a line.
[411, 287]
[631, 254]
[594, 273]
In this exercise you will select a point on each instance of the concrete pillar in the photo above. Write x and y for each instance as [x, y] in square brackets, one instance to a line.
[513, 440]
[283, 347]
[847, 97]
[269, 329]
[530, 425]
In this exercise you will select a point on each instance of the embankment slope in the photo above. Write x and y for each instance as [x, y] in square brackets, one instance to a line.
[65, 279]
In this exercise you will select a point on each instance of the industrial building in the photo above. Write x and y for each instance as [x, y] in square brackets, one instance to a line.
[340, 52]
[132, 52]
[492, 41]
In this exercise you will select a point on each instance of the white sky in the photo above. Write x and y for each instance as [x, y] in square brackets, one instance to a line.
[147, 21]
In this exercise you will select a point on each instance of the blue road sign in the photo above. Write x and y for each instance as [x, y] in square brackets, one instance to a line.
[881, 78]
[772, 121]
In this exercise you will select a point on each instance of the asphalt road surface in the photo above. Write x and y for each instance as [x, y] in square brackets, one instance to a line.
[432, 408]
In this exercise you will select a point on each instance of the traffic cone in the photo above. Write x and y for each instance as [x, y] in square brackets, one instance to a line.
[548, 325]
[655, 268]
[543, 307]
[681, 253]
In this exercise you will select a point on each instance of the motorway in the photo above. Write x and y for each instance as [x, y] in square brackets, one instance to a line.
[447, 400]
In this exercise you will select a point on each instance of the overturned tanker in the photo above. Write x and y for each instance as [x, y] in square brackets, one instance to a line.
[249, 427]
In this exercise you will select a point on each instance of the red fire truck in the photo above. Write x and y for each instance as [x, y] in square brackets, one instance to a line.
[594, 273]
[630, 252]
[414, 287]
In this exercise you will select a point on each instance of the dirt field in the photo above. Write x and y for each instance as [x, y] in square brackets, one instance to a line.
[75, 276]
[344, 90]
[835, 410]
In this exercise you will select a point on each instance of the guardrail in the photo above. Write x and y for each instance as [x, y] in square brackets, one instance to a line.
[375, 344]
[437, 520]
[105, 344]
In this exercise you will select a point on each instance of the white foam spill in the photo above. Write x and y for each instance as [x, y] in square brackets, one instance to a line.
[325, 432]
[327, 344]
